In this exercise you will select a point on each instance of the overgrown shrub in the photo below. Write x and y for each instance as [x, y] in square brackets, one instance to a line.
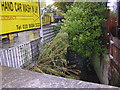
[83, 25]
[53, 60]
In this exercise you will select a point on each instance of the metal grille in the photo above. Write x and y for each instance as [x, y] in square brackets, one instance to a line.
[21, 55]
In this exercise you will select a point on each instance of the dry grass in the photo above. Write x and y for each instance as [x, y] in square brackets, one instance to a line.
[53, 60]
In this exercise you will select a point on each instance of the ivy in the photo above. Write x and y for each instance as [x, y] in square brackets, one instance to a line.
[83, 25]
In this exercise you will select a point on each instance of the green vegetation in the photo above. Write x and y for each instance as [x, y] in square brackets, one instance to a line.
[83, 25]
[81, 32]
[57, 27]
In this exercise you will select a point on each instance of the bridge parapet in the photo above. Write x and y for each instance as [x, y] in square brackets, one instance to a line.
[17, 78]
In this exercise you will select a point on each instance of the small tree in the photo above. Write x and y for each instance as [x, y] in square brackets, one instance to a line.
[51, 9]
[83, 24]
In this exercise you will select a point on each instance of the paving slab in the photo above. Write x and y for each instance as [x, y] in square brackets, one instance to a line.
[17, 78]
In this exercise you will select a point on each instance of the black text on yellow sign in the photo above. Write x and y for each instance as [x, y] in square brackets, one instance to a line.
[18, 7]
[19, 16]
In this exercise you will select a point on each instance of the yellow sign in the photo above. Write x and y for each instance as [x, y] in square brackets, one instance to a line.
[19, 16]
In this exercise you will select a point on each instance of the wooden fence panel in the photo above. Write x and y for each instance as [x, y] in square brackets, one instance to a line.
[114, 72]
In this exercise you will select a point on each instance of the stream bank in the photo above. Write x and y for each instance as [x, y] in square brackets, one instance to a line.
[84, 65]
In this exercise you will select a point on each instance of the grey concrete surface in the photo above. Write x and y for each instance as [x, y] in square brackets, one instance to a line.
[21, 38]
[16, 78]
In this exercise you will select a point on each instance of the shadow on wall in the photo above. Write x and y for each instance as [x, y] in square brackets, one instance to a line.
[101, 66]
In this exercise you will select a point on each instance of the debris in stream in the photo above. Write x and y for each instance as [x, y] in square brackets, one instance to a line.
[53, 61]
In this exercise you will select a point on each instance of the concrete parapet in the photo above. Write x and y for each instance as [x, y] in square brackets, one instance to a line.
[17, 78]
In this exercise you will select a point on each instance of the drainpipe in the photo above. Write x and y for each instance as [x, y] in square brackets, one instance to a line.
[41, 30]
[41, 16]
